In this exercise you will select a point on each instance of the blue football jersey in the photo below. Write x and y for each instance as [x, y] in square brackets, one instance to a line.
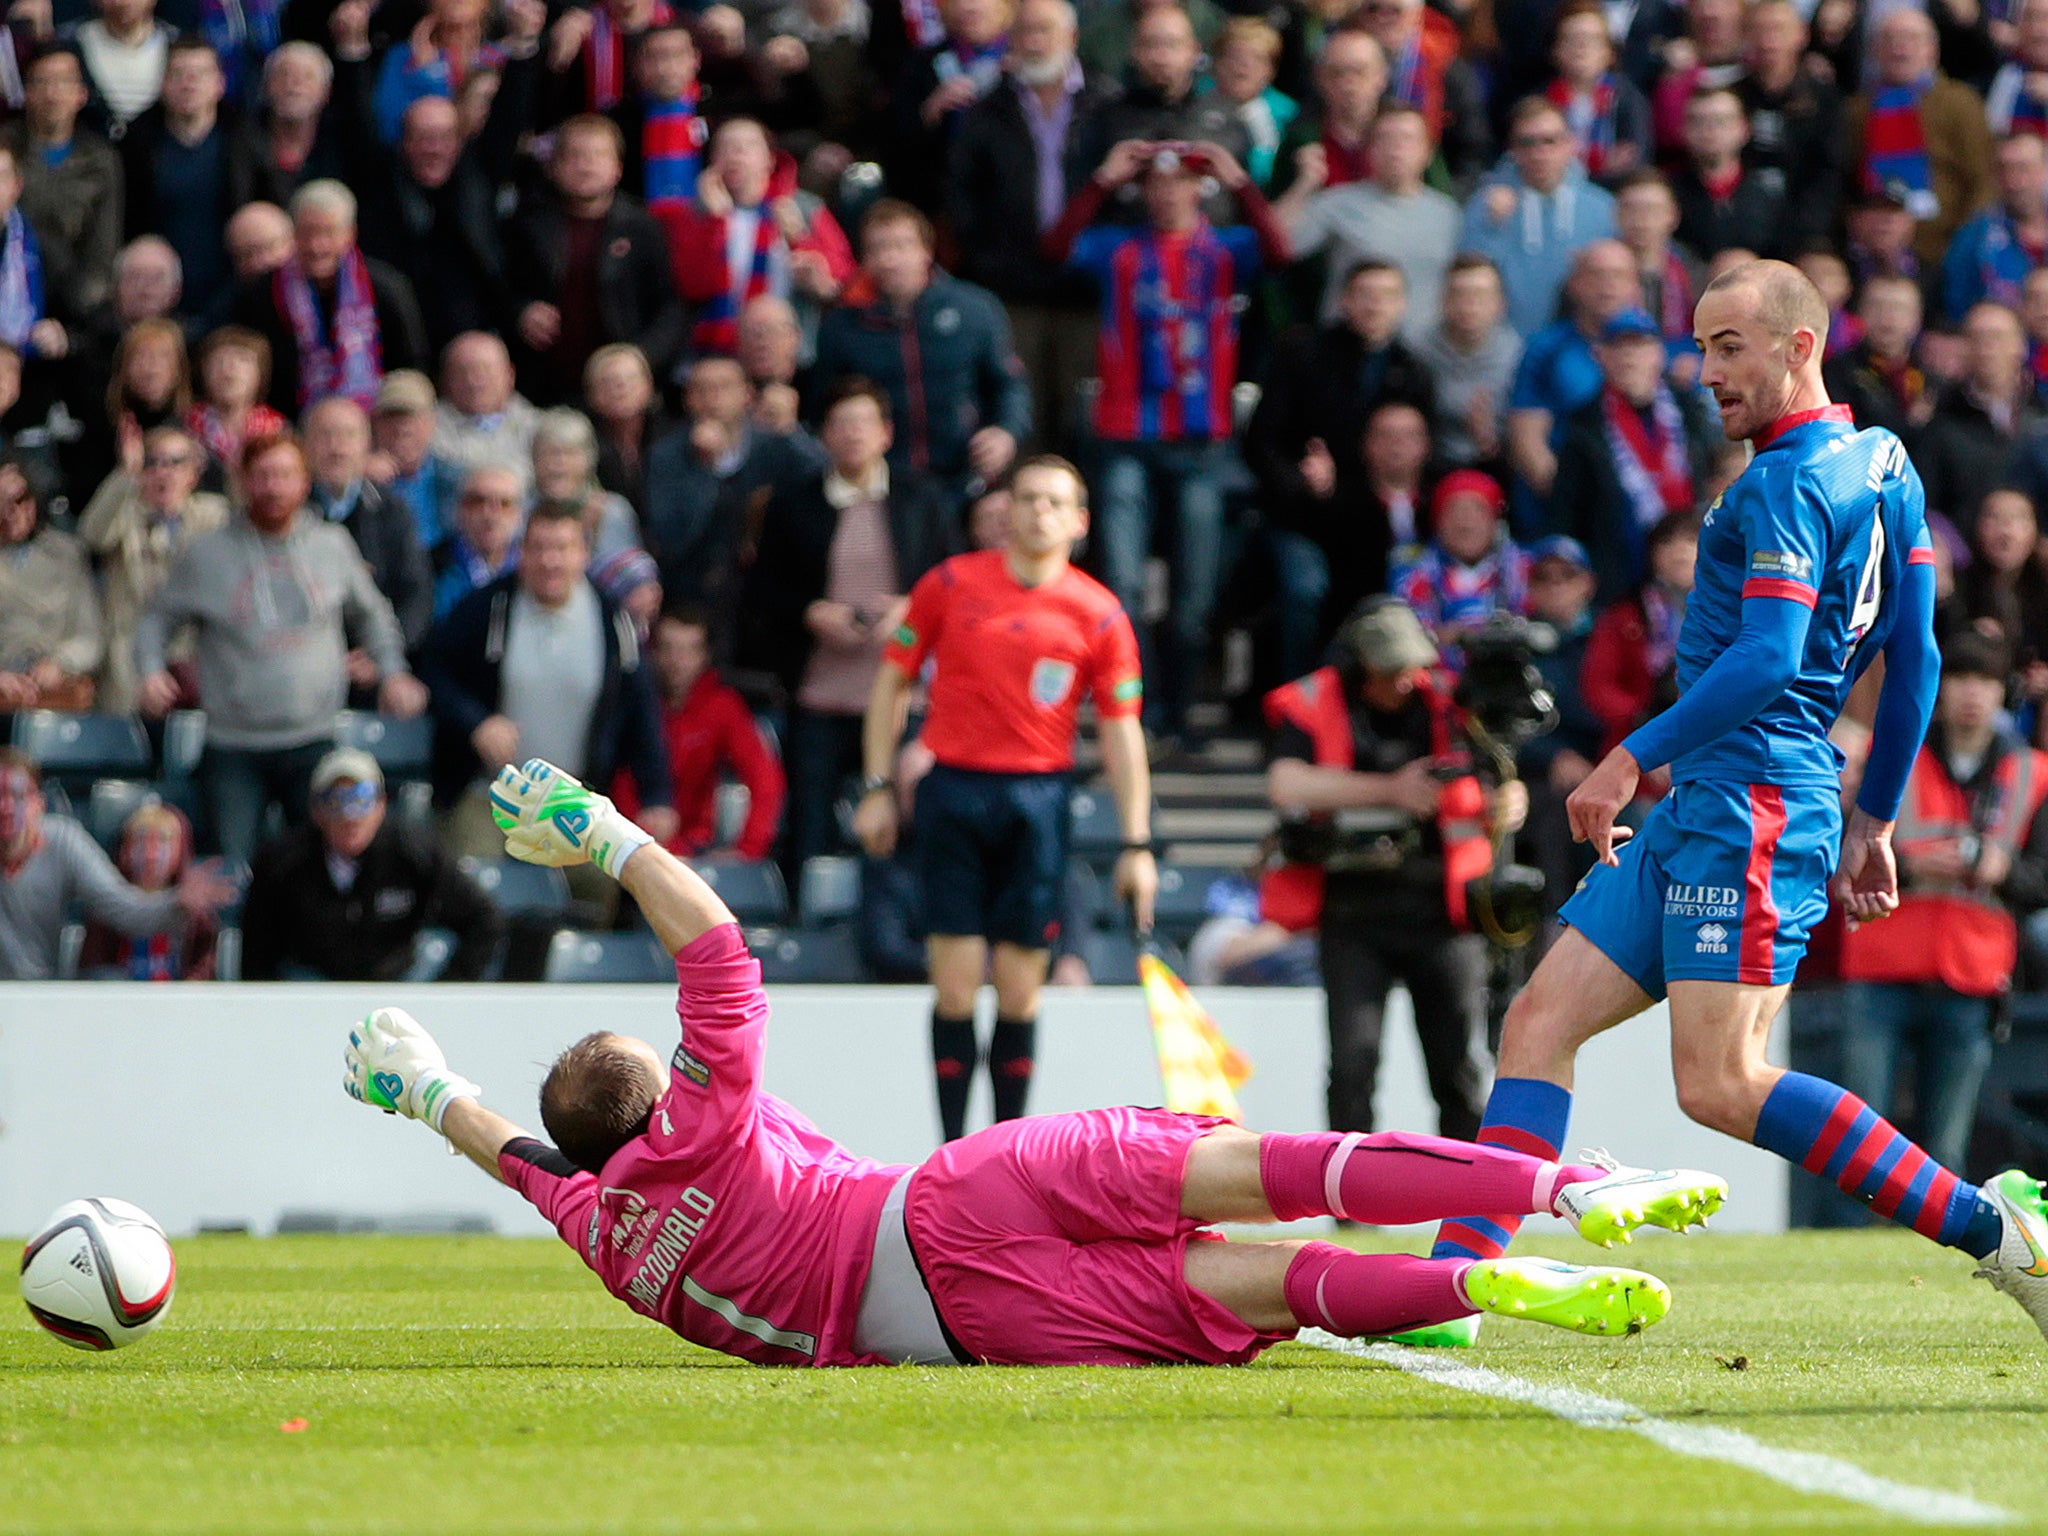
[1827, 516]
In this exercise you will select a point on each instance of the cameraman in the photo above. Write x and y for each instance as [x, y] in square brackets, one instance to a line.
[1386, 822]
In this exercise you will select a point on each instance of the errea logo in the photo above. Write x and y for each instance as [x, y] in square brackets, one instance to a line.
[1713, 940]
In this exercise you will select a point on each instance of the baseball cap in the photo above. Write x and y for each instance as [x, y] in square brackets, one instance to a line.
[1560, 546]
[1631, 322]
[406, 392]
[1389, 638]
[346, 763]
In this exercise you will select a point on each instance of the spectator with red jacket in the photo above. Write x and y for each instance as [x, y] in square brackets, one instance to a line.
[708, 732]
[747, 200]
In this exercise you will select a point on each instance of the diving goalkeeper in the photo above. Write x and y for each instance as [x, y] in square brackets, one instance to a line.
[719, 1211]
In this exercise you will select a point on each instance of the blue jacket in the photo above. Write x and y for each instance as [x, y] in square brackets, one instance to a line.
[1534, 247]
[462, 662]
[948, 366]
[1984, 261]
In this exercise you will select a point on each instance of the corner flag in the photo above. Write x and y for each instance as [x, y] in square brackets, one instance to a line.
[1201, 1070]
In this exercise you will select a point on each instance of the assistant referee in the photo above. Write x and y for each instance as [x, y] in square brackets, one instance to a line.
[1016, 637]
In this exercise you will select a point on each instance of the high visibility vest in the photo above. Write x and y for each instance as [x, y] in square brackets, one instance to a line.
[1316, 705]
[1958, 935]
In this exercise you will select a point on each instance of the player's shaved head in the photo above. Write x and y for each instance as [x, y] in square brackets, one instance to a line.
[1762, 329]
[597, 1097]
[1785, 298]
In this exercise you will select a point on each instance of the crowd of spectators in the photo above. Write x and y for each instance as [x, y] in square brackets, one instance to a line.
[596, 380]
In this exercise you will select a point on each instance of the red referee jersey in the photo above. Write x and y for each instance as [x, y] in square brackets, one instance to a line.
[1011, 662]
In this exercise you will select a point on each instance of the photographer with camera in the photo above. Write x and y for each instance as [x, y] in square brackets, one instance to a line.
[1388, 818]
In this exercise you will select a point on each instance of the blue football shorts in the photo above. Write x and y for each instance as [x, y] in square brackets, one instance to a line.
[1723, 883]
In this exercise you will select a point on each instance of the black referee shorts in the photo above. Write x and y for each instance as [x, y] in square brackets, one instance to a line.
[992, 851]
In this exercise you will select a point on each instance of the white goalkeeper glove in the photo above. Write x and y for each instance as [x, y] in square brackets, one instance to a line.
[394, 1065]
[550, 818]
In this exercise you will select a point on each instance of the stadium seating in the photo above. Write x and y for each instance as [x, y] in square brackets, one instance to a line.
[1093, 829]
[184, 742]
[1183, 898]
[70, 945]
[111, 803]
[828, 890]
[752, 888]
[729, 816]
[1111, 956]
[579, 956]
[404, 749]
[430, 952]
[227, 955]
[807, 954]
[75, 749]
[518, 889]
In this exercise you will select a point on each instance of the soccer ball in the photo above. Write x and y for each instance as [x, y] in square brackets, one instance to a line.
[99, 1274]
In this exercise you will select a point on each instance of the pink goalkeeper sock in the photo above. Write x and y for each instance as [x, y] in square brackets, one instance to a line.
[1360, 1293]
[1396, 1177]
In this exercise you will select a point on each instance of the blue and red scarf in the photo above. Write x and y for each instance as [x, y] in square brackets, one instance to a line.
[767, 271]
[983, 66]
[2029, 115]
[672, 150]
[1649, 457]
[344, 357]
[604, 55]
[1590, 118]
[1895, 160]
[1674, 299]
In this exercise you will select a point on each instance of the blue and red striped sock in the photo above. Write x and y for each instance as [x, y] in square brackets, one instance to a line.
[1830, 1132]
[1523, 1114]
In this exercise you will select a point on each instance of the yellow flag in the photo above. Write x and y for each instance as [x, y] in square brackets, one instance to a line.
[1201, 1070]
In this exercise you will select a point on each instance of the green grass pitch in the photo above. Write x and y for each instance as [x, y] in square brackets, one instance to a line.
[487, 1385]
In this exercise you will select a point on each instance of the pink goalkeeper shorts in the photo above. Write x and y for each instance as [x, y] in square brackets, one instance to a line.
[1058, 1240]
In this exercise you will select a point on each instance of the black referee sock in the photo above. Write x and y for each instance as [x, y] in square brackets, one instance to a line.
[954, 1056]
[1012, 1053]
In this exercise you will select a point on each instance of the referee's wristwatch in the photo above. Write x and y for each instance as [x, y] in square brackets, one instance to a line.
[874, 782]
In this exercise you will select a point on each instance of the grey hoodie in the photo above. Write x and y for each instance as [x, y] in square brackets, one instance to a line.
[274, 617]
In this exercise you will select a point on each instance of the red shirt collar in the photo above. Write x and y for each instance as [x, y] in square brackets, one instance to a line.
[1784, 424]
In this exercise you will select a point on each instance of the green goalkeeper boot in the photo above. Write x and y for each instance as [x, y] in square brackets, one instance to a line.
[1585, 1299]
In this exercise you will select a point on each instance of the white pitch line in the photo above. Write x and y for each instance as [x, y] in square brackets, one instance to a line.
[1806, 1471]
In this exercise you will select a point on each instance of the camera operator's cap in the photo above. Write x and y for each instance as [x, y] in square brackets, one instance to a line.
[1466, 482]
[1560, 546]
[1631, 322]
[1389, 638]
[351, 763]
[406, 392]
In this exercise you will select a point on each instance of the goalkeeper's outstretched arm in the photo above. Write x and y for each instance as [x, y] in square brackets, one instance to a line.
[679, 906]
[479, 1134]
[550, 818]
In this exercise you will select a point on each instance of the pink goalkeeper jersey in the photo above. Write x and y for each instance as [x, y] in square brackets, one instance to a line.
[734, 1220]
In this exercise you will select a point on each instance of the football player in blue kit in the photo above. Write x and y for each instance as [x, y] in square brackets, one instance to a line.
[1811, 565]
